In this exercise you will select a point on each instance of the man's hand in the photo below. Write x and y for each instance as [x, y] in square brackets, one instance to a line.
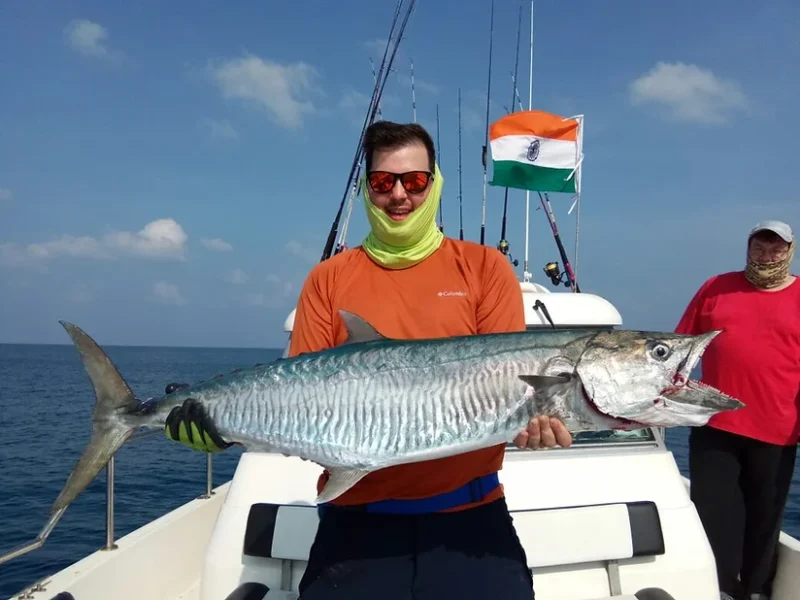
[190, 425]
[544, 432]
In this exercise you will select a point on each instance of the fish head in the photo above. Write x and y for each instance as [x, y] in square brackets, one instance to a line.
[644, 377]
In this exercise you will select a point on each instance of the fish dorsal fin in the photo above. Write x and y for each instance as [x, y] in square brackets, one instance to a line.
[358, 330]
[339, 481]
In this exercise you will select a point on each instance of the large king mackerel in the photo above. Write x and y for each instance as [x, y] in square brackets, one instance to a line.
[375, 402]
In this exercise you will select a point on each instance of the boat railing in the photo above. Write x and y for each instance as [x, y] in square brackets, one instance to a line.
[110, 544]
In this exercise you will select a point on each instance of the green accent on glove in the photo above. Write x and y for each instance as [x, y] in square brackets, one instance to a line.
[190, 425]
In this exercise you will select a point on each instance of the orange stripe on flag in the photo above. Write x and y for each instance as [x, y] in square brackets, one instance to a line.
[535, 122]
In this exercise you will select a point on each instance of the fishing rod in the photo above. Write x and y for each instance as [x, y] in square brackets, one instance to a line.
[460, 204]
[375, 83]
[551, 268]
[340, 245]
[439, 159]
[486, 139]
[369, 117]
[503, 245]
[413, 94]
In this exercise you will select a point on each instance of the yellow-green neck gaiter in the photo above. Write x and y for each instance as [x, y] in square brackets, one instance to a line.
[402, 244]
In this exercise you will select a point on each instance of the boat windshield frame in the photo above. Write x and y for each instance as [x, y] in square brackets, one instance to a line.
[648, 437]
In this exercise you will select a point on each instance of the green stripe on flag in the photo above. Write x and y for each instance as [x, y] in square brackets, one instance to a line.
[513, 174]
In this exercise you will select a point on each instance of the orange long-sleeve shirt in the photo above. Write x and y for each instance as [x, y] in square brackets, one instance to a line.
[461, 289]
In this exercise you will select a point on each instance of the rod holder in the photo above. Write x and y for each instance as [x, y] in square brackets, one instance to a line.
[110, 545]
[209, 477]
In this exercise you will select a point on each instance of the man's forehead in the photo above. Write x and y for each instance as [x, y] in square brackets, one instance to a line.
[407, 153]
[768, 238]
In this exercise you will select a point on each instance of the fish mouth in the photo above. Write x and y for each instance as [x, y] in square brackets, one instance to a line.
[687, 365]
[702, 395]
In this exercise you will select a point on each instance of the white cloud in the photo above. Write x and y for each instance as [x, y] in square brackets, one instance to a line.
[420, 85]
[88, 38]
[159, 239]
[81, 293]
[689, 93]
[167, 293]
[221, 130]
[284, 90]
[303, 251]
[5, 194]
[162, 238]
[470, 118]
[353, 99]
[279, 294]
[216, 244]
[238, 277]
[377, 47]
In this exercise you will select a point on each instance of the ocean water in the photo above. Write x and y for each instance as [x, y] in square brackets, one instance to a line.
[45, 408]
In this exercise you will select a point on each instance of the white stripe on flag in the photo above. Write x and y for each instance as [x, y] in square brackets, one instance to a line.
[554, 154]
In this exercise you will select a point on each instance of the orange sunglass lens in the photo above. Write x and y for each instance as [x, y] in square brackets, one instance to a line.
[381, 182]
[415, 182]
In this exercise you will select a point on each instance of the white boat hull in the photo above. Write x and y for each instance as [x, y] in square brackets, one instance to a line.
[575, 533]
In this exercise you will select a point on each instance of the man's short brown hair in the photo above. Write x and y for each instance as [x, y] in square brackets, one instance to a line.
[385, 135]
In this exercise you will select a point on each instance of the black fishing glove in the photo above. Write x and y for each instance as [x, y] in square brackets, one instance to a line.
[190, 425]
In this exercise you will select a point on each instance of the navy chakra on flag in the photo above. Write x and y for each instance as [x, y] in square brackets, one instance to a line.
[533, 150]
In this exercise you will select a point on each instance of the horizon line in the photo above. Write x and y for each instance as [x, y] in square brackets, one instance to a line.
[188, 347]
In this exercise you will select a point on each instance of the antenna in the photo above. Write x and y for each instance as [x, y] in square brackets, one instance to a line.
[503, 244]
[439, 160]
[460, 205]
[486, 141]
[525, 274]
[413, 94]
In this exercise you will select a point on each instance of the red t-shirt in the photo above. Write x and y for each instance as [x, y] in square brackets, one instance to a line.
[756, 358]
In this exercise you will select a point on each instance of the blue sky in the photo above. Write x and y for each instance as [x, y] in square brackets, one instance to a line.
[169, 171]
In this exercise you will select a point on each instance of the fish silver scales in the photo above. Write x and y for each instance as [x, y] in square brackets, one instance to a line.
[373, 401]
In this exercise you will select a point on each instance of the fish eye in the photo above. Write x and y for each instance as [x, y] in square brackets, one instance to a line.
[660, 351]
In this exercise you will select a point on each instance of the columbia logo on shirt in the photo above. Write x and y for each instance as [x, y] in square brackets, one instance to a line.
[448, 293]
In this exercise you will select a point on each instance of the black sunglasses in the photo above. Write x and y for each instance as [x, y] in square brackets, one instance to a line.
[412, 181]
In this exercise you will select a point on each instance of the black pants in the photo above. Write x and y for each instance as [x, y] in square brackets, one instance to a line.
[740, 486]
[471, 554]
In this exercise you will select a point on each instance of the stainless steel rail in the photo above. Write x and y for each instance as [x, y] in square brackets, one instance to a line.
[110, 544]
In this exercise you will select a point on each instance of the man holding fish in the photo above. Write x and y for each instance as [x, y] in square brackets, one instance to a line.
[417, 527]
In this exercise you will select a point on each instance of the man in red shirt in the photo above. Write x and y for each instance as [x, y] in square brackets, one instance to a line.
[741, 463]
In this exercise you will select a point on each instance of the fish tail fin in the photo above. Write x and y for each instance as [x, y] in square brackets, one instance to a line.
[110, 431]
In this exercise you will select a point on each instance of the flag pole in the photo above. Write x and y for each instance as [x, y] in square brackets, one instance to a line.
[526, 276]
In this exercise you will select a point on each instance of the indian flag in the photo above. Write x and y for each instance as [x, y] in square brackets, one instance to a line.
[535, 150]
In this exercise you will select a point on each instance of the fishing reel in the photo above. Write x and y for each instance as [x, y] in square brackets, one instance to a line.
[505, 250]
[553, 271]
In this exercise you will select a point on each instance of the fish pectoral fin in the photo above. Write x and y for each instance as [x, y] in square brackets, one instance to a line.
[359, 330]
[539, 382]
[339, 481]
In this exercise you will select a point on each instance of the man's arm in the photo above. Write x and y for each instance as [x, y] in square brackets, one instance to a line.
[500, 308]
[313, 320]
[690, 321]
